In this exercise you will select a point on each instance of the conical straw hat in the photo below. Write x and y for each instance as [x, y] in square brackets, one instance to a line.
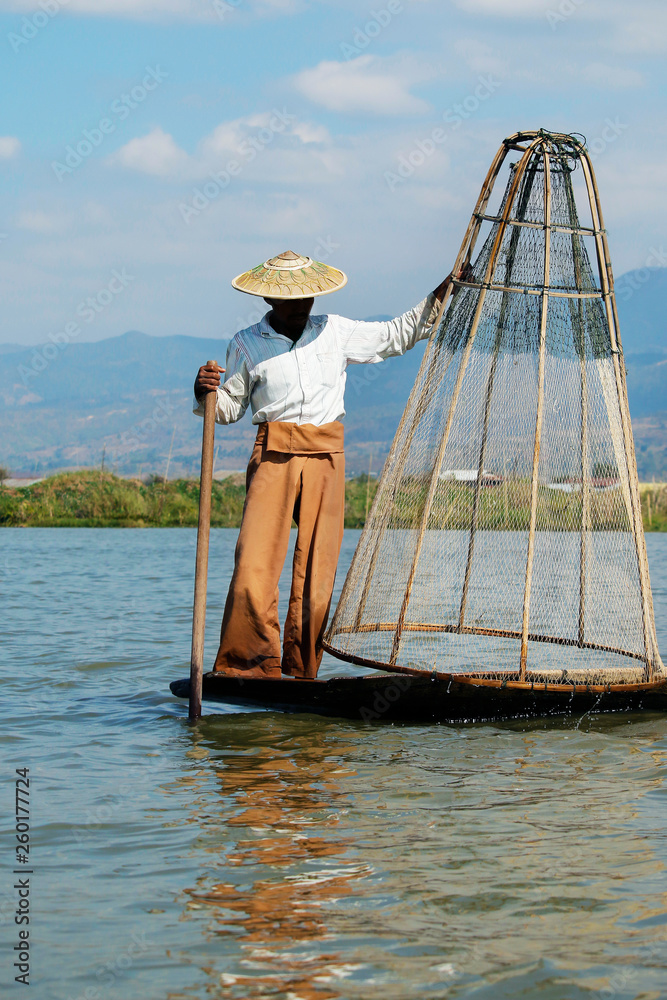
[289, 276]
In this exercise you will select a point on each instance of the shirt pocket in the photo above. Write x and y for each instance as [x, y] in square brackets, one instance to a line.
[330, 370]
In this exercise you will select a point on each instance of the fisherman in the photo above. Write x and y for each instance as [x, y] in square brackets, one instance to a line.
[290, 368]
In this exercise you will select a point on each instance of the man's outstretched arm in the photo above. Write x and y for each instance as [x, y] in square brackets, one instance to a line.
[365, 342]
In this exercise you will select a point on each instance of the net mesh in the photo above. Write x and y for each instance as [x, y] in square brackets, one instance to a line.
[505, 541]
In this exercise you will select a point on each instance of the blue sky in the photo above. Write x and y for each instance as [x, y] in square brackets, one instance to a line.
[304, 110]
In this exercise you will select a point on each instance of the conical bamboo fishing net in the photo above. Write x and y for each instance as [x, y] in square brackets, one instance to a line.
[505, 544]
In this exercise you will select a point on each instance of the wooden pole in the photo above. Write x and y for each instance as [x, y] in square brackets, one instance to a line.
[580, 346]
[534, 495]
[201, 564]
[578, 319]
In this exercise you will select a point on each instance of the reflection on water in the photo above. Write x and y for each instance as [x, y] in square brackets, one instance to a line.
[280, 842]
[340, 862]
[296, 858]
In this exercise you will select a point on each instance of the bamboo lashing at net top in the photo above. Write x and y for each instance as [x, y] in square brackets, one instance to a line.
[505, 543]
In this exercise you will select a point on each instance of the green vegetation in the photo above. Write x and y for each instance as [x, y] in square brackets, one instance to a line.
[654, 506]
[507, 507]
[94, 499]
[359, 495]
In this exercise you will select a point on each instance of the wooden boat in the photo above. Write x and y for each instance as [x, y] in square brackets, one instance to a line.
[392, 698]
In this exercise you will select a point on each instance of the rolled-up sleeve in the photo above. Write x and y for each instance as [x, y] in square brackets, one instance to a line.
[366, 343]
[233, 396]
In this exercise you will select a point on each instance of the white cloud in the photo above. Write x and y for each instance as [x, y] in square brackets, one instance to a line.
[9, 147]
[41, 222]
[611, 77]
[275, 139]
[97, 214]
[304, 184]
[308, 132]
[639, 30]
[363, 85]
[191, 10]
[226, 138]
[287, 198]
[508, 8]
[120, 8]
[480, 57]
[156, 154]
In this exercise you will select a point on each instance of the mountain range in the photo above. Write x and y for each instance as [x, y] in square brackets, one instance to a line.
[126, 401]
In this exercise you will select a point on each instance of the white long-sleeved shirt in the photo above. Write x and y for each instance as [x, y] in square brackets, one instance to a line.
[304, 383]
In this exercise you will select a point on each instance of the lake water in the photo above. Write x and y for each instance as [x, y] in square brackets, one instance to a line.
[294, 857]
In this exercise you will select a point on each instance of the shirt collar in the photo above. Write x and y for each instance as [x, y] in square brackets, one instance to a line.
[314, 323]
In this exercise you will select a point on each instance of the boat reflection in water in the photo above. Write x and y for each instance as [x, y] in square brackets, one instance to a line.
[280, 863]
[344, 862]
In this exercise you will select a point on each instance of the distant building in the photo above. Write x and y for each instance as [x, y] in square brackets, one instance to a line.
[599, 483]
[470, 476]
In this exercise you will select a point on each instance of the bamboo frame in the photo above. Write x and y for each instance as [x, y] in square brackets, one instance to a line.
[507, 681]
[555, 226]
[538, 419]
[583, 442]
[538, 154]
[497, 633]
[554, 292]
